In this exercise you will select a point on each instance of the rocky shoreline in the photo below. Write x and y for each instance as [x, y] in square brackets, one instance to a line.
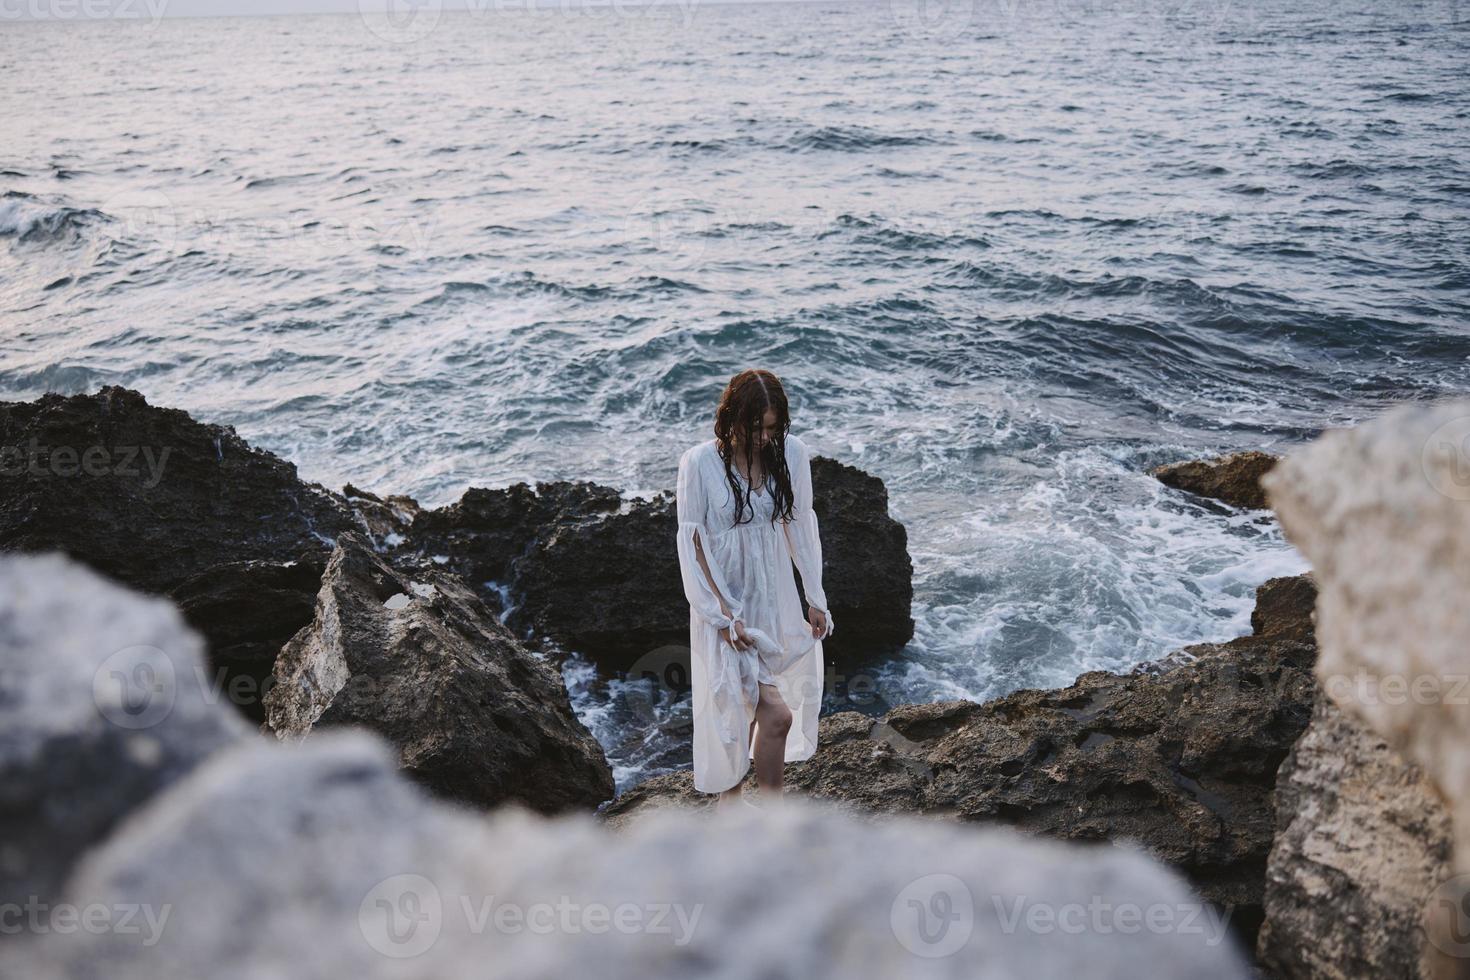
[438, 630]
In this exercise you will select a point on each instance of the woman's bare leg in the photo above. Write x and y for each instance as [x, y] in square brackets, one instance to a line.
[731, 796]
[772, 722]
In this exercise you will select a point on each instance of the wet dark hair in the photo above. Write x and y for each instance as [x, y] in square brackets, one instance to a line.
[742, 409]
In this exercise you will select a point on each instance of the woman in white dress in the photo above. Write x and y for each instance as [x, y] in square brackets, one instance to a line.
[744, 501]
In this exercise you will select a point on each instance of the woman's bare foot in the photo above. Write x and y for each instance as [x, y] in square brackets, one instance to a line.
[730, 799]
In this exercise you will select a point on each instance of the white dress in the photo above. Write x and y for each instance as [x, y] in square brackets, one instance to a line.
[751, 564]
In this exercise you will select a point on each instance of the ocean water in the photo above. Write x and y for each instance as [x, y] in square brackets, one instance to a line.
[1004, 254]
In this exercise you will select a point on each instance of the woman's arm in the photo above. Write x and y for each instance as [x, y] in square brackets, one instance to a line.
[703, 584]
[803, 536]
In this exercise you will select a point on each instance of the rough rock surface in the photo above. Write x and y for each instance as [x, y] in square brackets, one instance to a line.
[248, 610]
[1362, 840]
[1234, 479]
[168, 505]
[387, 520]
[178, 507]
[1381, 512]
[101, 706]
[592, 572]
[475, 716]
[344, 871]
[205, 499]
[1181, 759]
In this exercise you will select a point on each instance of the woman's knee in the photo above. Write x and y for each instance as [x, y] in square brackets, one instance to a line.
[775, 719]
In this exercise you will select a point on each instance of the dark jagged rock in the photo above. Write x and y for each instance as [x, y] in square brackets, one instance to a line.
[484, 535]
[101, 708]
[1182, 760]
[1234, 479]
[592, 572]
[182, 508]
[474, 715]
[172, 506]
[1285, 608]
[247, 611]
[388, 520]
[167, 497]
[1362, 840]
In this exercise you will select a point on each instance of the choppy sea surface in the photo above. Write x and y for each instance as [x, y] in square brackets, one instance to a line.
[1005, 255]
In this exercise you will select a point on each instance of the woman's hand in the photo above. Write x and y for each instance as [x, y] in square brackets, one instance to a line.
[818, 621]
[741, 640]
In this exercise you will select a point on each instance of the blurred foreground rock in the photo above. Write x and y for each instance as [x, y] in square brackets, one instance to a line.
[103, 702]
[345, 870]
[475, 716]
[1383, 513]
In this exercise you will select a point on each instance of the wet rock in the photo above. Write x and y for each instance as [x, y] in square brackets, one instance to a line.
[1182, 761]
[1362, 840]
[475, 716]
[387, 520]
[585, 570]
[343, 870]
[102, 705]
[1285, 608]
[1234, 479]
[168, 505]
[483, 534]
[247, 611]
[153, 497]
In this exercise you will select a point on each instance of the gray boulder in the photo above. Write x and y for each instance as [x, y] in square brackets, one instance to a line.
[475, 716]
[344, 870]
[104, 701]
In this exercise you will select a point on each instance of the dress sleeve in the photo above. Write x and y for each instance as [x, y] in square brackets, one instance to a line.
[689, 502]
[803, 539]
